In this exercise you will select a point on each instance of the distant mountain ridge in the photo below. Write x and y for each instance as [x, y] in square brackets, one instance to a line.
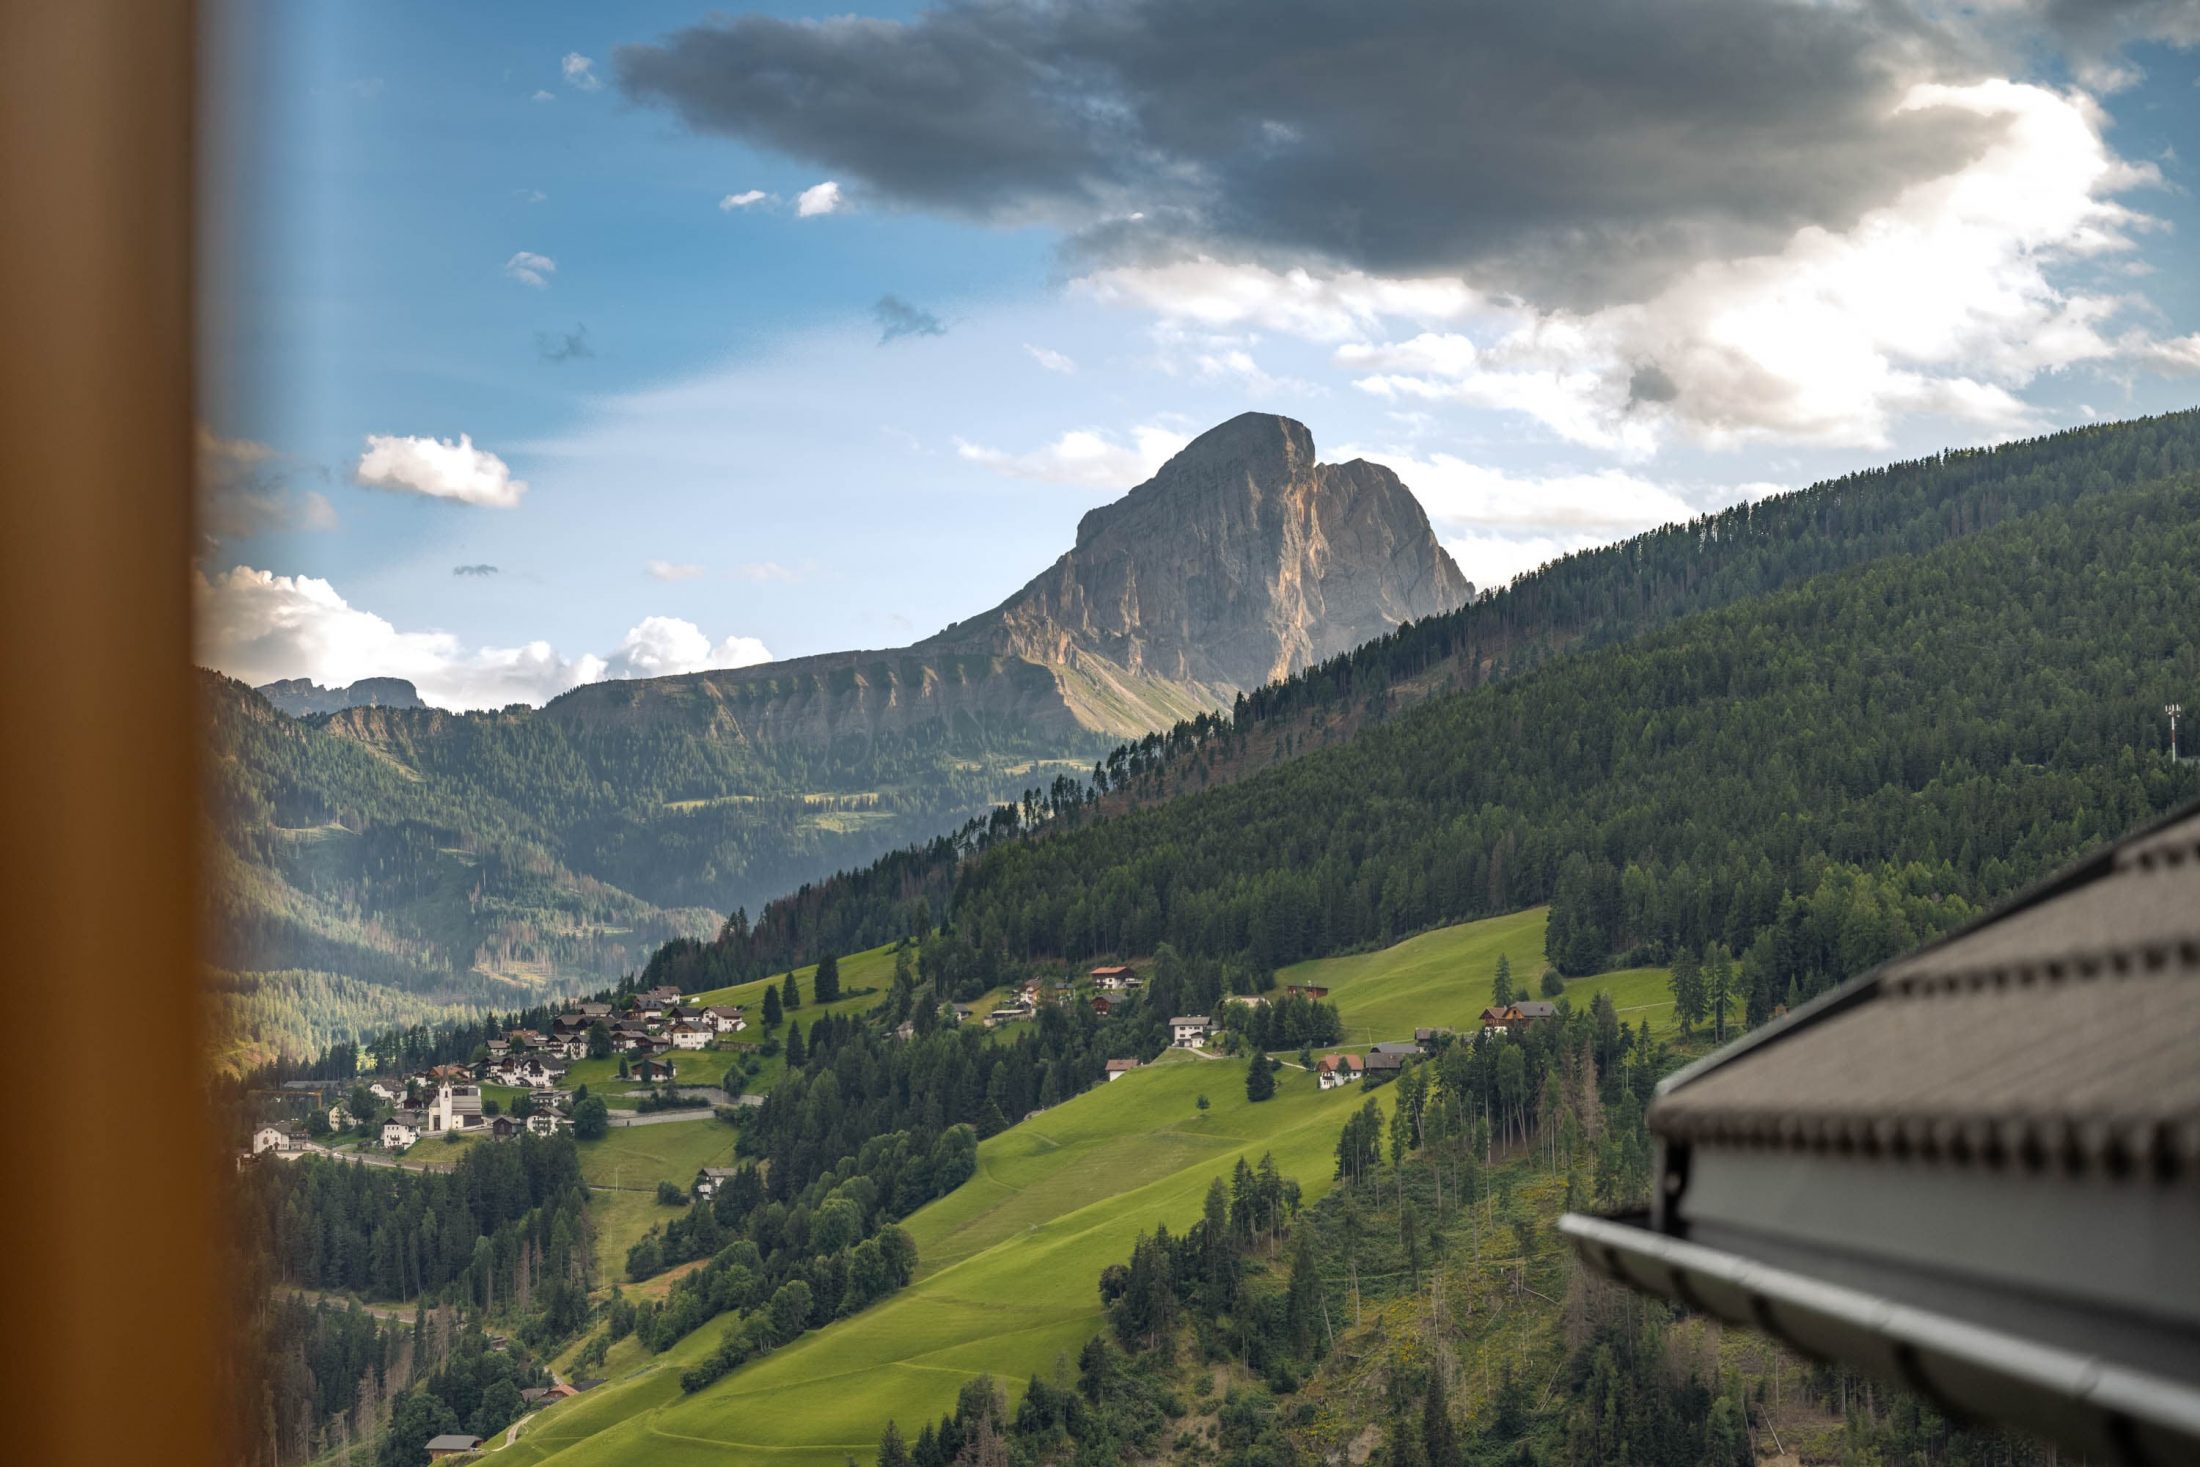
[300, 697]
[1240, 561]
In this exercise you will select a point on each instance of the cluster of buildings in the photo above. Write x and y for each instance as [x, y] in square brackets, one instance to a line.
[655, 1023]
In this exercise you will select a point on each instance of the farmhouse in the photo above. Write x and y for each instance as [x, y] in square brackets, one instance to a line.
[1333, 1070]
[401, 1130]
[1501, 1019]
[690, 1035]
[504, 1128]
[726, 1019]
[1388, 1061]
[546, 1123]
[662, 995]
[452, 1444]
[1101, 1003]
[1430, 1040]
[1189, 1031]
[390, 1091]
[710, 1179]
[1118, 1068]
[1111, 977]
[1306, 990]
[649, 1072]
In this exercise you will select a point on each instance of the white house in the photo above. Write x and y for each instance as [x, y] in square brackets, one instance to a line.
[270, 1138]
[1189, 1031]
[1113, 977]
[386, 1090]
[1338, 1069]
[339, 1116]
[547, 1123]
[709, 1180]
[689, 1036]
[399, 1132]
[1118, 1068]
[725, 1019]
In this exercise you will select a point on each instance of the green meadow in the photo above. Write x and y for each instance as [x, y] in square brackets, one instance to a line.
[1008, 1278]
[1010, 1262]
[1441, 979]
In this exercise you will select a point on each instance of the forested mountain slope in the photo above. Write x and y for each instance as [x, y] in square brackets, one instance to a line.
[1926, 730]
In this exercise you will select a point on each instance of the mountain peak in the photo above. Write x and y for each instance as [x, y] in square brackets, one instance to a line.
[1241, 560]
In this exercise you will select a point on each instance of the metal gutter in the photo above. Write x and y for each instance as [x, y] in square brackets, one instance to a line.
[2106, 1410]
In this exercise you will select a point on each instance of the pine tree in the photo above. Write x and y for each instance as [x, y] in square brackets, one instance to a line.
[1501, 989]
[1260, 1080]
[797, 1051]
[1438, 1439]
[790, 992]
[1688, 989]
[773, 1013]
[1718, 986]
[891, 1451]
[825, 985]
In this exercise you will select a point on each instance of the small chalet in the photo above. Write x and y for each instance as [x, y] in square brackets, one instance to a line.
[1101, 1003]
[386, 1090]
[1113, 977]
[726, 1019]
[709, 1180]
[685, 1035]
[650, 1072]
[1430, 1040]
[1189, 1031]
[546, 1123]
[1501, 1019]
[1333, 1070]
[959, 1013]
[1118, 1068]
[339, 1117]
[401, 1130]
[504, 1128]
[497, 1049]
[452, 1444]
[663, 994]
[1306, 990]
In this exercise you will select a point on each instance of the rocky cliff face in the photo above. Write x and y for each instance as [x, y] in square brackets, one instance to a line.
[299, 696]
[1243, 560]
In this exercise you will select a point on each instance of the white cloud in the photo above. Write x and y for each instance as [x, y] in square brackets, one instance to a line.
[1216, 295]
[1084, 458]
[544, 96]
[580, 72]
[530, 195]
[767, 570]
[1050, 359]
[663, 646]
[259, 627]
[529, 268]
[742, 200]
[440, 469]
[818, 198]
[1497, 524]
[666, 570]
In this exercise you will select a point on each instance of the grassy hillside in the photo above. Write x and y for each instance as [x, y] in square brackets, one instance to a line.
[1441, 979]
[1010, 1265]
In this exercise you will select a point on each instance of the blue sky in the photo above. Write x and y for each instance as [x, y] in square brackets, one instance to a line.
[492, 221]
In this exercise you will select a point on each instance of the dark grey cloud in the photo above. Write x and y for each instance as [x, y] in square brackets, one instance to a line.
[1569, 147]
[563, 346]
[898, 318]
[474, 570]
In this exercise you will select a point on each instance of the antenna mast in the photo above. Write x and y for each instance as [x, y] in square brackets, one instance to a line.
[2173, 709]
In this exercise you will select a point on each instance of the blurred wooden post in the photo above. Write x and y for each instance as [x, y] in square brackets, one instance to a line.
[110, 1168]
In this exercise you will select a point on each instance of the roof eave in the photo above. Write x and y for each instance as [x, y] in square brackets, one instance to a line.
[2103, 1409]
